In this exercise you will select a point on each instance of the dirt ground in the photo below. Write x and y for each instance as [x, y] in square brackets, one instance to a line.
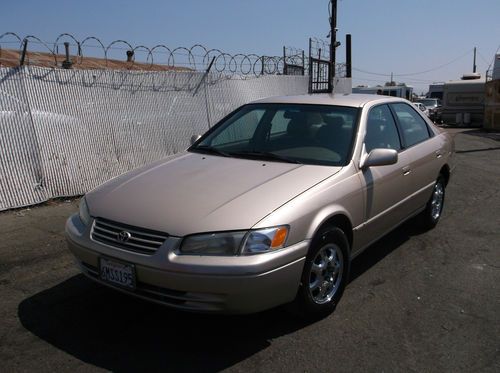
[417, 301]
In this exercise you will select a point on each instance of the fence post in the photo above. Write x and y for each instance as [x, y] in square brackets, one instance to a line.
[23, 53]
[310, 67]
[348, 56]
[66, 63]
[204, 76]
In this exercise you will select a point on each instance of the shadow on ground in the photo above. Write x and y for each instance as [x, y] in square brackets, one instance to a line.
[494, 135]
[119, 333]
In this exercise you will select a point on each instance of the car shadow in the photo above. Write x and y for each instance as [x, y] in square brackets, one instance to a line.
[116, 332]
[120, 333]
[386, 245]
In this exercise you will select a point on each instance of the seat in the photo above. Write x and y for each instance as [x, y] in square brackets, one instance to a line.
[298, 131]
[334, 136]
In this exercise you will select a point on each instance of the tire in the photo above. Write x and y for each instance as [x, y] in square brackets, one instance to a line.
[434, 208]
[325, 274]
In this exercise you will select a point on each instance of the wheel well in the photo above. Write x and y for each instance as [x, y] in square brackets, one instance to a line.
[340, 221]
[445, 171]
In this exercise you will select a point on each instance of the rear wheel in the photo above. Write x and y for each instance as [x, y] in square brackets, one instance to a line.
[325, 273]
[432, 213]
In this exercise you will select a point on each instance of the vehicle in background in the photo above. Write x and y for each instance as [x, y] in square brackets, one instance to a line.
[434, 107]
[463, 100]
[400, 90]
[422, 108]
[435, 90]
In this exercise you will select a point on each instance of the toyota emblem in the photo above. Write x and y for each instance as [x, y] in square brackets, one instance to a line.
[124, 236]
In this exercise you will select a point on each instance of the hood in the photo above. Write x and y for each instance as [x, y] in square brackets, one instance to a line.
[193, 193]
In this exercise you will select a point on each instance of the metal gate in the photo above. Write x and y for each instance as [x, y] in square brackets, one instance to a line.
[320, 76]
[293, 61]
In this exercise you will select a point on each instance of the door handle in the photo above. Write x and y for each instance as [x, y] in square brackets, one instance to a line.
[406, 170]
[439, 154]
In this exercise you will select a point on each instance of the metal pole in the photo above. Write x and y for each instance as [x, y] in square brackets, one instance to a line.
[204, 76]
[303, 63]
[284, 61]
[348, 56]
[23, 53]
[333, 36]
[310, 68]
[66, 63]
[474, 63]
[318, 72]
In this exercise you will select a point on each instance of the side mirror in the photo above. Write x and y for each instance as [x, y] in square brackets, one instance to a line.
[194, 138]
[380, 157]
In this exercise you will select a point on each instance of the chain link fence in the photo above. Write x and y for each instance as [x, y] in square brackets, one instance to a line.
[75, 113]
[63, 132]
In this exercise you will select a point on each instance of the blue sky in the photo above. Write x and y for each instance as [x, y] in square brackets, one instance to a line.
[399, 36]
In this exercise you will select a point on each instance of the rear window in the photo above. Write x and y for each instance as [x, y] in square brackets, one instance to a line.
[413, 126]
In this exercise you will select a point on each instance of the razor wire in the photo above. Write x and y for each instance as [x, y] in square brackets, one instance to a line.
[158, 57]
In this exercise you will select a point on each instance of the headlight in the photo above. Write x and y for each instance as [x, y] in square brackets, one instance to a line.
[264, 240]
[224, 243]
[84, 212]
[235, 243]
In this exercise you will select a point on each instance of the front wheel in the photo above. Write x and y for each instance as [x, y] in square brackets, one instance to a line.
[325, 274]
[432, 213]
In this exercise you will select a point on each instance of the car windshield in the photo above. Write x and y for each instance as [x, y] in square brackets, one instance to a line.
[308, 134]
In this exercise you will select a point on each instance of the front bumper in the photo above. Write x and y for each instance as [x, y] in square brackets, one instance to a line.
[244, 284]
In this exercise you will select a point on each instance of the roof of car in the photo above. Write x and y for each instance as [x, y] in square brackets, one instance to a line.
[353, 99]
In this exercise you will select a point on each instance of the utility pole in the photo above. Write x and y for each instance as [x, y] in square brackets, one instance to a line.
[348, 56]
[333, 36]
[474, 63]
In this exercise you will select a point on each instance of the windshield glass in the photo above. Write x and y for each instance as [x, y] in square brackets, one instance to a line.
[309, 134]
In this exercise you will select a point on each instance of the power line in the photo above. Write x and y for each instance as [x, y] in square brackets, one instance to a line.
[418, 72]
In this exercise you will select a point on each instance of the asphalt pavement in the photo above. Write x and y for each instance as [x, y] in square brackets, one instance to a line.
[417, 301]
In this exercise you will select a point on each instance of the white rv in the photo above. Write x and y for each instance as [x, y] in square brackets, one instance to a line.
[463, 101]
[403, 91]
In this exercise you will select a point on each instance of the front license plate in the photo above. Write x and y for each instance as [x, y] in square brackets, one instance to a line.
[120, 274]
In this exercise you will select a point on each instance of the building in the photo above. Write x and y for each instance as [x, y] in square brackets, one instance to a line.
[496, 68]
[492, 98]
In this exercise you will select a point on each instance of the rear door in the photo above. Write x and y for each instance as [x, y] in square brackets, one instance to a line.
[423, 150]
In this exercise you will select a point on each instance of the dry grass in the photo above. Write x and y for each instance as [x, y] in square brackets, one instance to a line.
[11, 58]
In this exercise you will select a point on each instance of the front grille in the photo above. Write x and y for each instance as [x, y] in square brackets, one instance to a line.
[141, 240]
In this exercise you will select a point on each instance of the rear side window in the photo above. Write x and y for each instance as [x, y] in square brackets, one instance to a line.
[381, 131]
[411, 123]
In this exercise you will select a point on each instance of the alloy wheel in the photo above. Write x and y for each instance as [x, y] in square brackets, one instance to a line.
[326, 273]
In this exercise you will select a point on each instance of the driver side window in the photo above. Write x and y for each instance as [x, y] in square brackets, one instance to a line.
[381, 130]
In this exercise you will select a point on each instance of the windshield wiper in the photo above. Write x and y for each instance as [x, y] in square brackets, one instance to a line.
[210, 150]
[267, 156]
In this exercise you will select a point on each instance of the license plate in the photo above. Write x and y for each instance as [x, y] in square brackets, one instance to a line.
[117, 273]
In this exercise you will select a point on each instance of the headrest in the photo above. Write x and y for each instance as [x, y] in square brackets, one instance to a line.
[336, 121]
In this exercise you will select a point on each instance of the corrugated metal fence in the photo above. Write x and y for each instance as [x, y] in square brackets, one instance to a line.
[63, 132]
